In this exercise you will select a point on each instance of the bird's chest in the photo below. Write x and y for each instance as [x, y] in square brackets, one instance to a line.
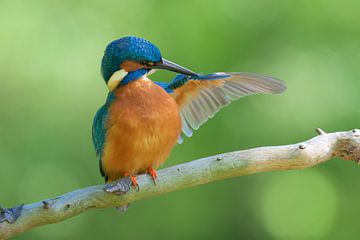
[143, 126]
[143, 106]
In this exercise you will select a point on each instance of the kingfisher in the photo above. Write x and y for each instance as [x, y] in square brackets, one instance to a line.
[142, 120]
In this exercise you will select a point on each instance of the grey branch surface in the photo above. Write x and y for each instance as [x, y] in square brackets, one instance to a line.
[325, 146]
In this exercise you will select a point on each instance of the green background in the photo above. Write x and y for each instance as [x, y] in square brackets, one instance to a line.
[50, 53]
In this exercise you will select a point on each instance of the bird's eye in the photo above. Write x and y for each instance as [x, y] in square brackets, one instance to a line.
[143, 62]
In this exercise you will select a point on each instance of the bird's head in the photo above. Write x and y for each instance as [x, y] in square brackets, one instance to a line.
[129, 58]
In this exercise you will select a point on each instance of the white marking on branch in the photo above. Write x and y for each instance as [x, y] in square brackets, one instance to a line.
[319, 149]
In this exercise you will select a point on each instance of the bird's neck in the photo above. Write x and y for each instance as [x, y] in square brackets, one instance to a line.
[131, 76]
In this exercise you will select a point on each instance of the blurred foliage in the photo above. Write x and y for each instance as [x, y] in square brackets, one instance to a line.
[51, 88]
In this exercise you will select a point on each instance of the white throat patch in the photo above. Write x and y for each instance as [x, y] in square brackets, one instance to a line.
[116, 78]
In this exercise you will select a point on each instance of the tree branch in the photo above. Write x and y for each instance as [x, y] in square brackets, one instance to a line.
[319, 149]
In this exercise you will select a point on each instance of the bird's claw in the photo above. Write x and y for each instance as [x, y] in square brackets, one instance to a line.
[152, 173]
[134, 182]
[10, 214]
[119, 187]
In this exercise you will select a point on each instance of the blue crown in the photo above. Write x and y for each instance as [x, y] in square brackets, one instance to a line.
[127, 49]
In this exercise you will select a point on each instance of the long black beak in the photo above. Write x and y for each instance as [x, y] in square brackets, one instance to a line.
[167, 65]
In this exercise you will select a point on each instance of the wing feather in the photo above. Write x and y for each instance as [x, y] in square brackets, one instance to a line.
[99, 130]
[98, 134]
[201, 97]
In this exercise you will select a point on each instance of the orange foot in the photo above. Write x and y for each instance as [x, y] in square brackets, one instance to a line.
[152, 173]
[134, 183]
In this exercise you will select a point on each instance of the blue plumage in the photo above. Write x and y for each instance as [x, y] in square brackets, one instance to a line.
[99, 128]
[127, 49]
[133, 76]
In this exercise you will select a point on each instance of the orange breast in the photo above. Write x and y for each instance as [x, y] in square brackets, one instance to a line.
[143, 127]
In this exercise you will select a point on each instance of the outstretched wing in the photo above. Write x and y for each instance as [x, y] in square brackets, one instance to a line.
[99, 130]
[200, 97]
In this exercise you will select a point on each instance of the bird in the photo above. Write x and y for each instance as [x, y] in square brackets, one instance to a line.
[142, 120]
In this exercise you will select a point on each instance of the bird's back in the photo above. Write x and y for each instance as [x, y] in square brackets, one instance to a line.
[143, 126]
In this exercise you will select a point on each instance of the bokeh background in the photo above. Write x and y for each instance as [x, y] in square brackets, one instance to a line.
[50, 52]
